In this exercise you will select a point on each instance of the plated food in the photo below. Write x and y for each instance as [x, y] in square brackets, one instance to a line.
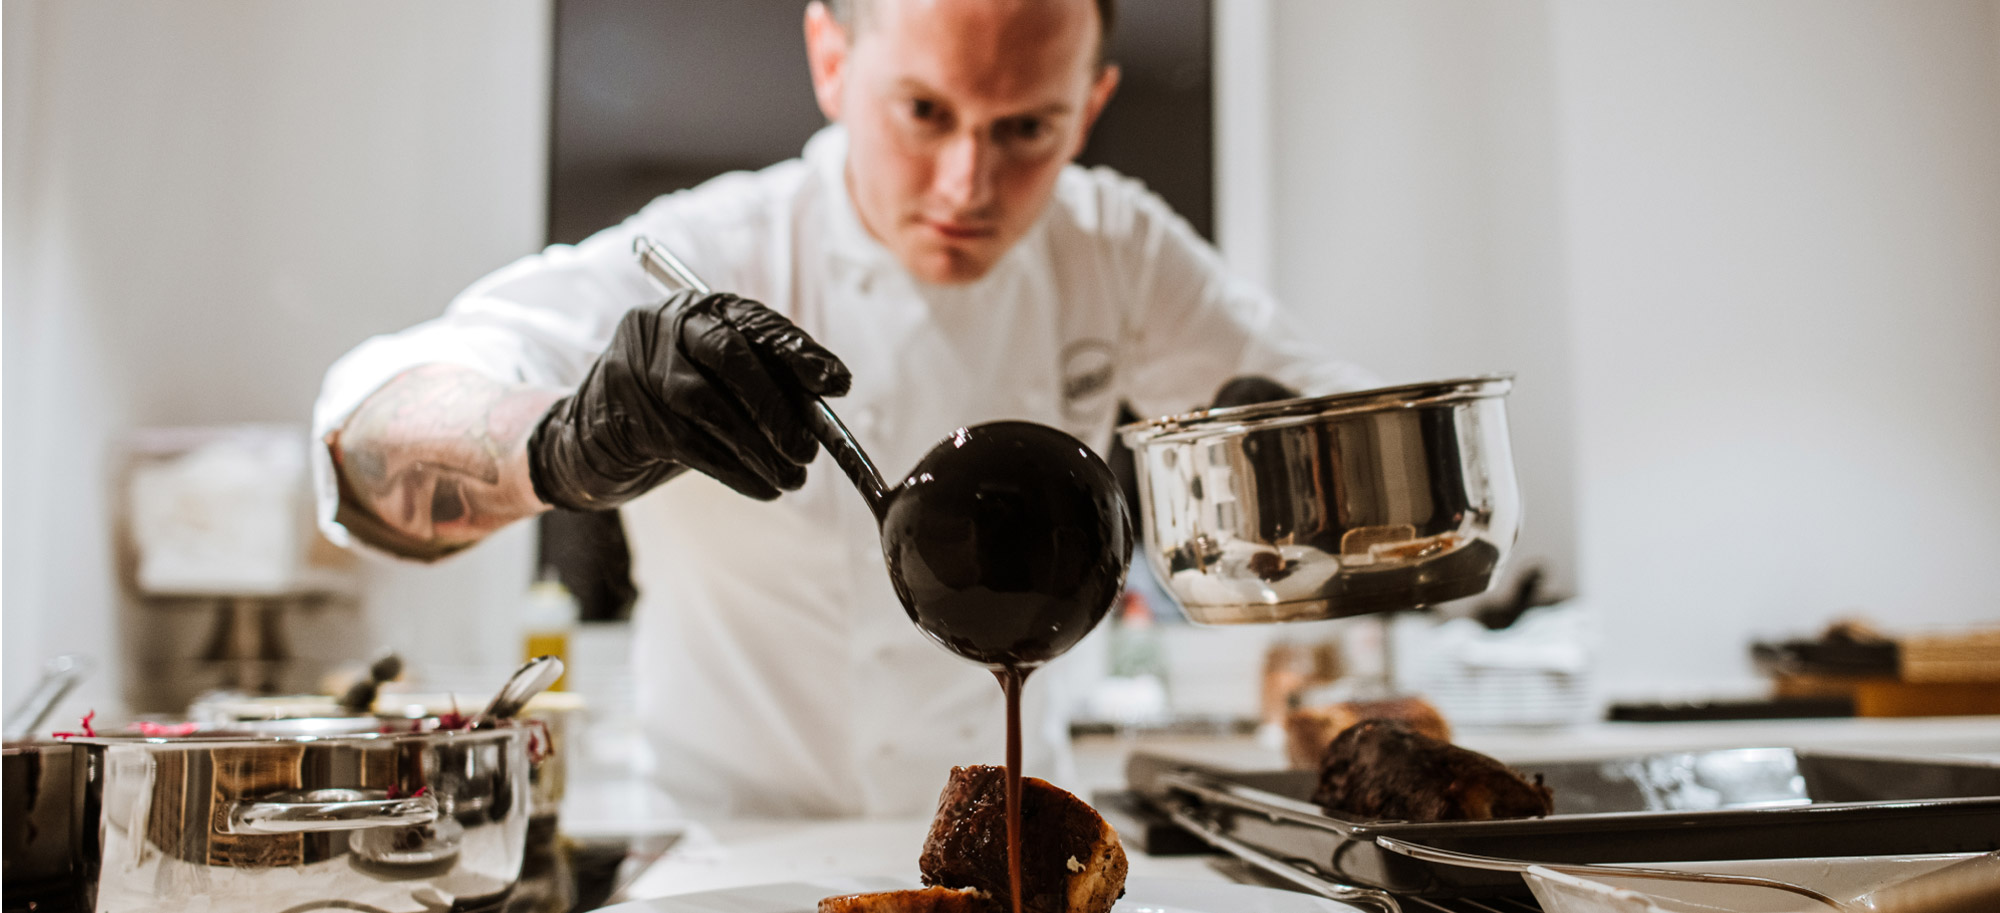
[915, 900]
[1071, 859]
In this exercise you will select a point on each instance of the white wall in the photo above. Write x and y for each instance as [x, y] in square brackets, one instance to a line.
[1745, 257]
[1414, 218]
[206, 203]
[1784, 224]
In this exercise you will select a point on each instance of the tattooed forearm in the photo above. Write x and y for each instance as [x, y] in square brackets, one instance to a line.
[436, 460]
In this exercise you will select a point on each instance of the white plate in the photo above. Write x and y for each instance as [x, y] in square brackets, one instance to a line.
[1842, 878]
[1142, 895]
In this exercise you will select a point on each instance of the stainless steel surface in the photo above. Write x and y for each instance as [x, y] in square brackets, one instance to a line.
[534, 677]
[415, 821]
[298, 726]
[49, 828]
[1325, 507]
[1859, 805]
[667, 269]
[1494, 863]
[59, 676]
[1703, 780]
[326, 810]
[1296, 872]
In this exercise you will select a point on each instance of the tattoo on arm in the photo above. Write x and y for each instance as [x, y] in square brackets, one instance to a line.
[436, 460]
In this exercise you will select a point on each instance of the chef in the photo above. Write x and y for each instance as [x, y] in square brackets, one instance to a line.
[934, 260]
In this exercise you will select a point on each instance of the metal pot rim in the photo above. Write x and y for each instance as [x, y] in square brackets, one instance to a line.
[233, 738]
[1290, 411]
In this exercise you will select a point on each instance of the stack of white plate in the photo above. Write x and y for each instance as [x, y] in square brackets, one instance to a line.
[1534, 673]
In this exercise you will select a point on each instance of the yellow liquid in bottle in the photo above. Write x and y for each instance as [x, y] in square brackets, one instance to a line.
[549, 643]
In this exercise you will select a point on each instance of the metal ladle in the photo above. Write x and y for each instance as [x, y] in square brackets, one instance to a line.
[1007, 543]
[59, 677]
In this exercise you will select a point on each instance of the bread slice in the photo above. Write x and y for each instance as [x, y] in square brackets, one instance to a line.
[1071, 860]
[923, 900]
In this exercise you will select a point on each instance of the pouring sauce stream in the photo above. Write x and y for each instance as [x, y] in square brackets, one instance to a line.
[1011, 680]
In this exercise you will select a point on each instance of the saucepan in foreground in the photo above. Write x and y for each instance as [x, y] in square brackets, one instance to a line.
[1330, 506]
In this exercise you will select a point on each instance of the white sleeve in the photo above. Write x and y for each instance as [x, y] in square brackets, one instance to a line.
[541, 320]
[1195, 326]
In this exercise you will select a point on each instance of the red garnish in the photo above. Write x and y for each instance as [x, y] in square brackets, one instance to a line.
[538, 741]
[87, 732]
[157, 730]
[454, 719]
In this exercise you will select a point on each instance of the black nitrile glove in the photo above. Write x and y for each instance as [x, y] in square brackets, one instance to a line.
[1249, 390]
[714, 383]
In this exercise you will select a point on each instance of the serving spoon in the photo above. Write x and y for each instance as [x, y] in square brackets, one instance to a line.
[1007, 543]
[534, 677]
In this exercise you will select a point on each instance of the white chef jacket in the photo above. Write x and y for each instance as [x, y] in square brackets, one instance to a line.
[776, 669]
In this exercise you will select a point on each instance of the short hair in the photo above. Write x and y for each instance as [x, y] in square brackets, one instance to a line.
[851, 13]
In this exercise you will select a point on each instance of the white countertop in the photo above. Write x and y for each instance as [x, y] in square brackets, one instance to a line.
[745, 852]
[732, 853]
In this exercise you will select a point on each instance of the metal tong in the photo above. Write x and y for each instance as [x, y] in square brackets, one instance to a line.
[1297, 871]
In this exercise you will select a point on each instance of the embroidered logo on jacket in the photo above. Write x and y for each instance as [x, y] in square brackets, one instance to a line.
[1088, 369]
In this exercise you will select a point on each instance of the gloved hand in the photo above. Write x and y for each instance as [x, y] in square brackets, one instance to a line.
[714, 383]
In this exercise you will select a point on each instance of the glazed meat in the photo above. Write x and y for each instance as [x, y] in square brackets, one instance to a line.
[1071, 860]
[1308, 730]
[1382, 769]
[924, 900]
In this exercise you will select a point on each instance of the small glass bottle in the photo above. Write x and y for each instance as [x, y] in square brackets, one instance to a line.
[551, 617]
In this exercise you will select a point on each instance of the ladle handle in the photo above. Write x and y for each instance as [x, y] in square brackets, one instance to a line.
[848, 455]
[668, 270]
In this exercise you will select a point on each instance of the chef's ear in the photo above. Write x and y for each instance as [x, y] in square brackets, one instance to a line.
[1100, 95]
[826, 54]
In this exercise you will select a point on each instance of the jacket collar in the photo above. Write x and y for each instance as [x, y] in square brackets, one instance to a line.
[847, 239]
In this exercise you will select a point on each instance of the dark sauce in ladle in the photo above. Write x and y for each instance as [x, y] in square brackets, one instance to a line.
[1007, 543]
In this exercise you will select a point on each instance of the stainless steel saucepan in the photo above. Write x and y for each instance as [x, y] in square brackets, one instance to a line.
[403, 821]
[1330, 506]
[414, 821]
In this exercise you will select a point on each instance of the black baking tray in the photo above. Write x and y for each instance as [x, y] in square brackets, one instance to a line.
[1762, 803]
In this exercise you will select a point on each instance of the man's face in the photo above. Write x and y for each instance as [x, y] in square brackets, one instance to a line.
[960, 114]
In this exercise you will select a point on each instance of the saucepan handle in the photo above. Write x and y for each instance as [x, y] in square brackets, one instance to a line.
[326, 810]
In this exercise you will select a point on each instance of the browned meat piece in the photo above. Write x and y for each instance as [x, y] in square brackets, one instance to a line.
[1071, 861]
[1308, 730]
[1382, 769]
[924, 900]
